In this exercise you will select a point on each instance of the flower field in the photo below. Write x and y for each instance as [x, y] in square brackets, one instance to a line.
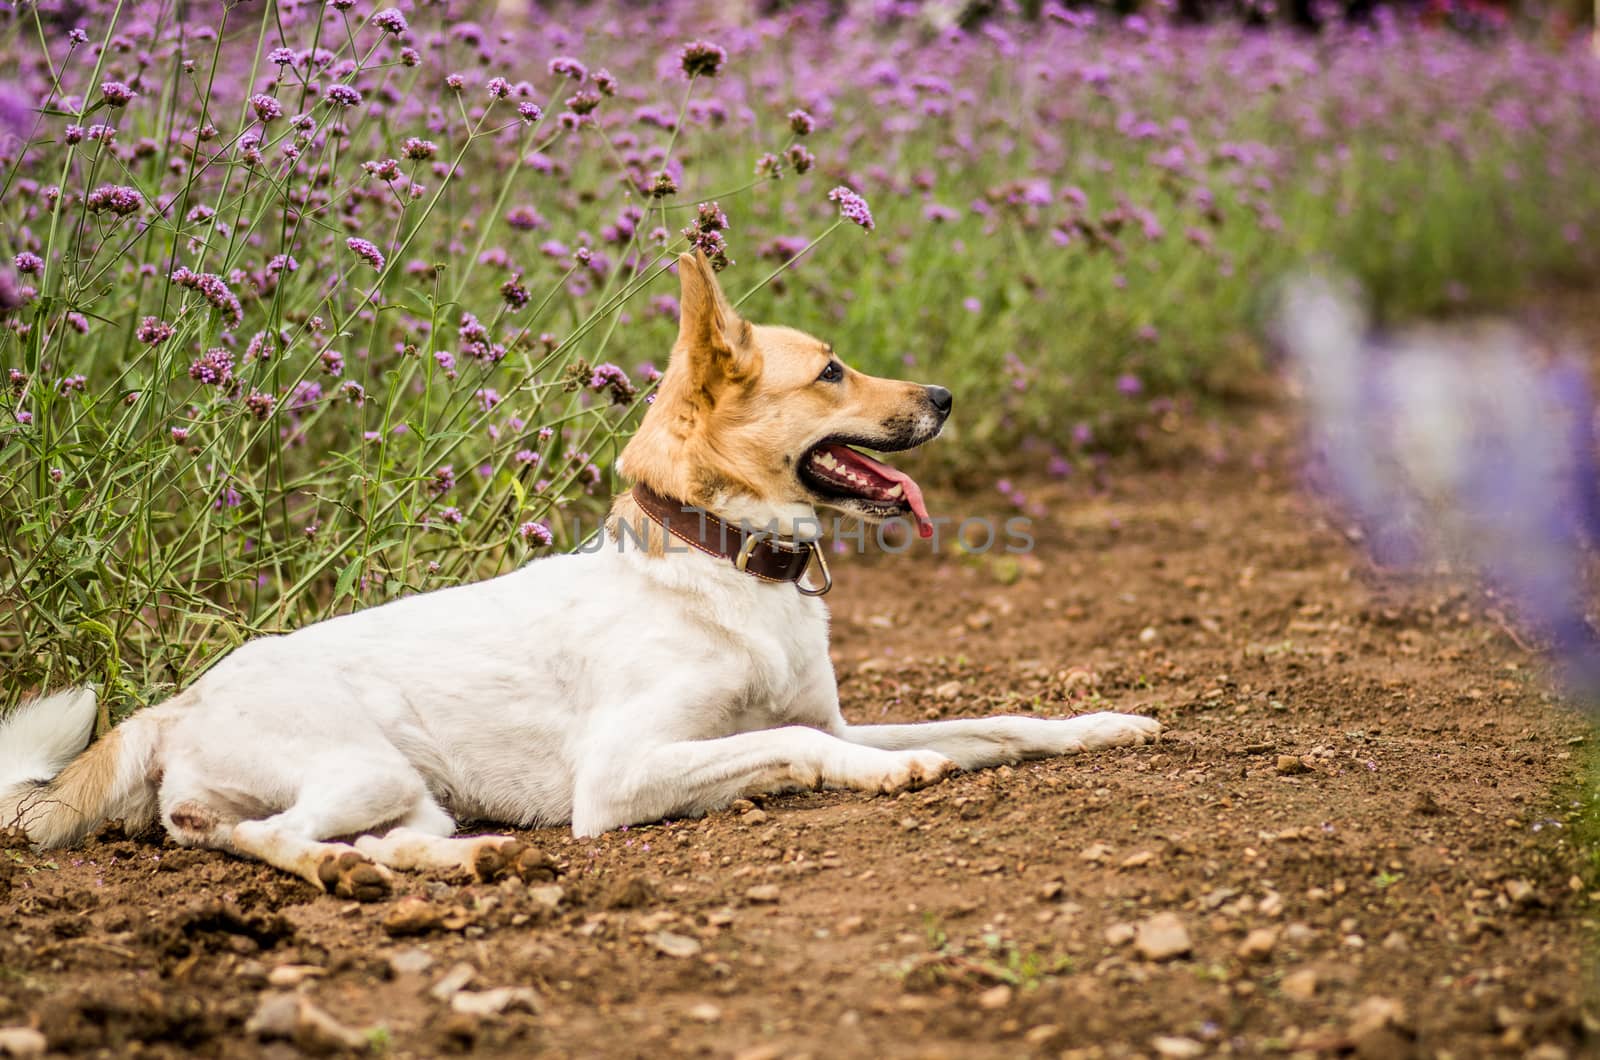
[311, 305]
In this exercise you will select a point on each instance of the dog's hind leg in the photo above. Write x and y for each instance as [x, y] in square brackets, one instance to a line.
[342, 797]
[335, 867]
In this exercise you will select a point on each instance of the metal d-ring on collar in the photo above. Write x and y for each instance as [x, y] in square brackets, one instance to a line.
[756, 536]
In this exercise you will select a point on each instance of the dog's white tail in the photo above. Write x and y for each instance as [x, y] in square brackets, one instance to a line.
[57, 794]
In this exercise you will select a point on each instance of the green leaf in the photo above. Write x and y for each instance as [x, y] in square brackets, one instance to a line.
[347, 579]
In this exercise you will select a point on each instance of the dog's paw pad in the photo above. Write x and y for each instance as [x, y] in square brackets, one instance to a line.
[492, 858]
[495, 861]
[354, 875]
[533, 864]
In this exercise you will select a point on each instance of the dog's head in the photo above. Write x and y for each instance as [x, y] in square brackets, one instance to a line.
[760, 422]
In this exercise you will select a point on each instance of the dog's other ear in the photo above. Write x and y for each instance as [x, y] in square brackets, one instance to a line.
[711, 334]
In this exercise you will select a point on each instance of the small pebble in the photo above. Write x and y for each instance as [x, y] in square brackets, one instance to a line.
[1175, 1048]
[24, 1043]
[672, 944]
[1258, 944]
[294, 1018]
[413, 916]
[996, 997]
[292, 975]
[453, 982]
[1162, 937]
[485, 1003]
[1300, 985]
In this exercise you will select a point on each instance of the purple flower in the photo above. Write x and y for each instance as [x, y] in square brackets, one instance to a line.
[266, 108]
[29, 263]
[566, 66]
[114, 198]
[116, 94]
[260, 405]
[419, 150]
[535, 534]
[214, 368]
[852, 207]
[366, 251]
[514, 294]
[153, 331]
[281, 57]
[442, 481]
[390, 21]
[801, 123]
[529, 112]
[221, 298]
[1129, 385]
[498, 88]
[385, 169]
[701, 59]
[608, 377]
[305, 395]
[800, 158]
[524, 218]
[343, 96]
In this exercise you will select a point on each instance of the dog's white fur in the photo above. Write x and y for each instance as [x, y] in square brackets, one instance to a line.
[602, 689]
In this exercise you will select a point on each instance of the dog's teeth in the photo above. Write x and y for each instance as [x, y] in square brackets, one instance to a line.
[896, 491]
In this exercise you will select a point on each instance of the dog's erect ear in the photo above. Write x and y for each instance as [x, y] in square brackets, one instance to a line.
[713, 336]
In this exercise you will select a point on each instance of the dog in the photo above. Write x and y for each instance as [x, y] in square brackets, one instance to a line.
[682, 665]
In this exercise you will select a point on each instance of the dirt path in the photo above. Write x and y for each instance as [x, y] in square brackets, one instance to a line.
[1354, 809]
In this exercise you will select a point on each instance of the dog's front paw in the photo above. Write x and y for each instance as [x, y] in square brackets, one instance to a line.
[354, 875]
[1100, 731]
[915, 769]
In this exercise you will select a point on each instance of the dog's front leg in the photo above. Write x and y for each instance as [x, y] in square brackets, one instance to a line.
[633, 785]
[977, 743]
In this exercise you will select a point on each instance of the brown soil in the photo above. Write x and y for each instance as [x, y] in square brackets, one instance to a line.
[1365, 779]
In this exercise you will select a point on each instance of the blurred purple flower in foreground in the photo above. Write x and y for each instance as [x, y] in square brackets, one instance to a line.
[1465, 443]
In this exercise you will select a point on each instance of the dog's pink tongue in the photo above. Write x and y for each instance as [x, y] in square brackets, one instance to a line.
[919, 507]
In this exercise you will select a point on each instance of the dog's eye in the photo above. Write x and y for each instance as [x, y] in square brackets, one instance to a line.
[831, 374]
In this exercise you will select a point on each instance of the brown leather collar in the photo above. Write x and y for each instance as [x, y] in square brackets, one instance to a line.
[755, 552]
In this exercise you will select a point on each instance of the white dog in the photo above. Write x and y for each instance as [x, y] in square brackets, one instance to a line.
[677, 668]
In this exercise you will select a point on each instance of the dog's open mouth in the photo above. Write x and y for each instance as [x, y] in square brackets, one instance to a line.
[836, 472]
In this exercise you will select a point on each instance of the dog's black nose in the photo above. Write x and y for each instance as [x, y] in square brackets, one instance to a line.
[941, 399]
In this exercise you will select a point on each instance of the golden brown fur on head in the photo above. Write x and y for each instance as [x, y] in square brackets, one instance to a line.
[741, 407]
